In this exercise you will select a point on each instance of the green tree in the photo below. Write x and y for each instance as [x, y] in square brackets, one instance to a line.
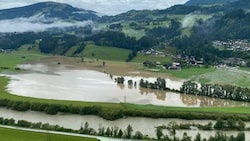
[219, 124]
[186, 137]
[159, 133]
[129, 131]
[198, 137]
[120, 134]
[138, 135]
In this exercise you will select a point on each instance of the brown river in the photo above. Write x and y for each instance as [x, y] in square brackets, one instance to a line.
[144, 125]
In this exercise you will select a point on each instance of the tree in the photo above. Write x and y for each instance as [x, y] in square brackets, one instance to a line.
[129, 131]
[171, 128]
[103, 63]
[198, 137]
[219, 124]
[138, 135]
[108, 132]
[240, 137]
[85, 129]
[101, 131]
[159, 133]
[120, 134]
[130, 82]
[186, 137]
[115, 132]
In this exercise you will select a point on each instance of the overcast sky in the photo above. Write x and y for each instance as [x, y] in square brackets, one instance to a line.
[108, 7]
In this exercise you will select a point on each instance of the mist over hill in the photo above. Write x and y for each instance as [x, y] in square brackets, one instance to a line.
[44, 16]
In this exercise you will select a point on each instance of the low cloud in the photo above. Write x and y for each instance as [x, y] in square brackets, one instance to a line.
[37, 23]
[188, 20]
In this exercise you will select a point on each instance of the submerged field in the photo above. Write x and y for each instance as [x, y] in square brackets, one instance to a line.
[112, 66]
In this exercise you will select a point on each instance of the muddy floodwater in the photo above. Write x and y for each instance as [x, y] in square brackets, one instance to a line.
[64, 83]
[144, 125]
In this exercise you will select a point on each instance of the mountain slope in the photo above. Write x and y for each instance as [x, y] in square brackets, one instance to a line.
[49, 10]
[207, 2]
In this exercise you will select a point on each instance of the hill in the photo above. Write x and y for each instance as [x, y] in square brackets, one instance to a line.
[207, 2]
[178, 30]
[49, 10]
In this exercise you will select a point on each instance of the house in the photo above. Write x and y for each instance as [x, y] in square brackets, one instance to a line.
[1, 50]
[175, 66]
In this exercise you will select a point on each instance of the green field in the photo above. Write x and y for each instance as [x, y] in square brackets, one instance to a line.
[105, 53]
[12, 59]
[140, 58]
[28, 49]
[226, 76]
[190, 72]
[71, 51]
[219, 110]
[18, 135]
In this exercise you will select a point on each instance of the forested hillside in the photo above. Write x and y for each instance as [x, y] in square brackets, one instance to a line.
[49, 10]
[178, 30]
[207, 2]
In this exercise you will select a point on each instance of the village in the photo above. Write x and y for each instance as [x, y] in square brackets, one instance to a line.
[6, 50]
[176, 64]
[235, 45]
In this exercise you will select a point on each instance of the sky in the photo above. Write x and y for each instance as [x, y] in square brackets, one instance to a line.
[107, 7]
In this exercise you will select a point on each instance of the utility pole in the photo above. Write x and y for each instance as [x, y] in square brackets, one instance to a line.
[82, 59]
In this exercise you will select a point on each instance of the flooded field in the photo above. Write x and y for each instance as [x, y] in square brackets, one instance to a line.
[144, 125]
[64, 82]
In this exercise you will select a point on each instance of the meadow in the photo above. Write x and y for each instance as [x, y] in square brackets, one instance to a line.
[105, 53]
[18, 135]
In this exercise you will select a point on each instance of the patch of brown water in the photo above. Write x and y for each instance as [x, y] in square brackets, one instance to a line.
[111, 67]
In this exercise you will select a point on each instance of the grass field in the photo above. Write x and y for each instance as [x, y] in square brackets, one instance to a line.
[28, 49]
[134, 33]
[245, 69]
[190, 72]
[17, 135]
[140, 58]
[71, 51]
[239, 110]
[12, 59]
[226, 76]
[105, 53]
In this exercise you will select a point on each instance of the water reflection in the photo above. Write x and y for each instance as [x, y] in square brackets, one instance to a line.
[94, 86]
[161, 95]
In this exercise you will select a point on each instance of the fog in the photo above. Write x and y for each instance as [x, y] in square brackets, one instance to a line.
[188, 20]
[37, 23]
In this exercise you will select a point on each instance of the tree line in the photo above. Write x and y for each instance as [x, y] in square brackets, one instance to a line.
[217, 91]
[159, 84]
[115, 113]
[171, 134]
[128, 133]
